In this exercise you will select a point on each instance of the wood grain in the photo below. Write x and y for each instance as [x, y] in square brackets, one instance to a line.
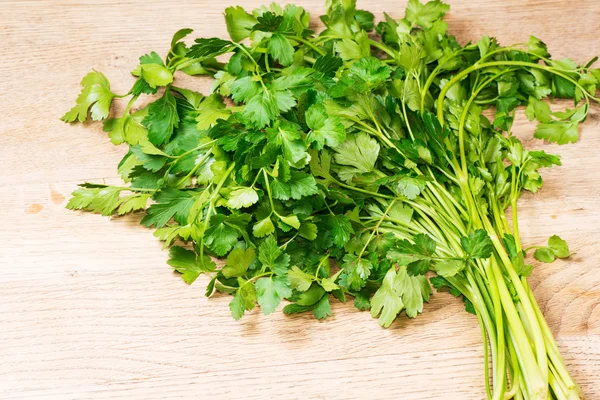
[89, 309]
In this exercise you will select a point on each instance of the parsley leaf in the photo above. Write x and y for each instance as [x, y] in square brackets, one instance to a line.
[95, 97]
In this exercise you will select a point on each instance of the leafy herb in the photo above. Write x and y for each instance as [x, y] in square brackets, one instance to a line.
[368, 149]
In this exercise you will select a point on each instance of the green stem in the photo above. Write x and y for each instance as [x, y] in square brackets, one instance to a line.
[537, 387]
[268, 186]
[458, 77]
[193, 171]
[376, 229]
[383, 48]
[363, 191]
[307, 43]
[211, 204]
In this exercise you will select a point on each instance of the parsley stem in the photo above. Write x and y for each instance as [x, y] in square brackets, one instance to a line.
[382, 47]
[307, 43]
[132, 189]
[513, 209]
[326, 258]
[363, 191]
[193, 171]
[268, 186]
[130, 104]
[465, 113]
[203, 145]
[247, 53]
[439, 67]
[458, 77]
[486, 344]
[376, 229]
[533, 247]
[211, 204]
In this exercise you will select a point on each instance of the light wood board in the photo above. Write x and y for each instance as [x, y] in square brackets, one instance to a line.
[89, 308]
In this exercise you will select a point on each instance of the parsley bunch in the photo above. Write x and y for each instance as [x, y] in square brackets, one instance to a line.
[373, 153]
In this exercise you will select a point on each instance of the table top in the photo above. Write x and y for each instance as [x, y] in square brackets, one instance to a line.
[90, 309]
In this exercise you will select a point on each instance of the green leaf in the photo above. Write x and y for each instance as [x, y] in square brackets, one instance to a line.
[365, 19]
[320, 164]
[237, 307]
[426, 14]
[244, 299]
[243, 89]
[273, 257]
[281, 49]
[559, 247]
[238, 262]
[561, 132]
[424, 246]
[386, 303]
[410, 186]
[537, 109]
[322, 309]
[294, 308]
[263, 227]
[134, 202]
[162, 119]
[221, 236]
[299, 185]
[242, 197]
[340, 227]
[477, 245]
[103, 200]
[299, 279]
[510, 244]
[268, 22]
[353, 50]
[324, 129]
[328, 284]
[128, 128]
[449, 268]
[327, 64]
[290, 220]
[261, 109]
[361, 302]
[270, 291]
[210, 110]
[239, 23]
[288, 137]
[414, 290]
[411, 95]
[308, 230]
[401, 212]
[544, 254]
[170, 203]
[186, 263]
[156, 75]
[537, 47]
[419, 267]
[180, 34]
[208, 48]
[356, 271]
[149, 161]
[368, 73]
[359, 151]
[311, 296]
[95, 97]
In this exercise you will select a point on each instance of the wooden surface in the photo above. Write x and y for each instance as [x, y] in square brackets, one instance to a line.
[89, 308]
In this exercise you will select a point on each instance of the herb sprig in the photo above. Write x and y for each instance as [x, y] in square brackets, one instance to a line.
[365, 144]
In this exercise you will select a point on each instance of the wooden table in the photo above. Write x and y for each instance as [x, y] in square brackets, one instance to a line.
[89, 309]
